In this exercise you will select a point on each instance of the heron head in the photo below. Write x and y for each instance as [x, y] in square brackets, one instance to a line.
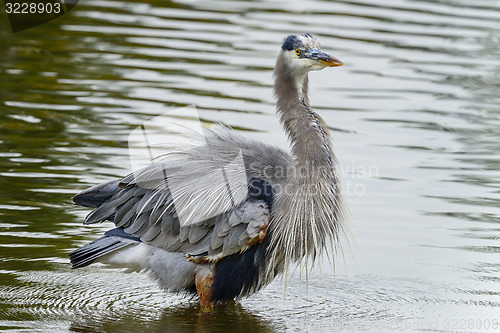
[303, 54]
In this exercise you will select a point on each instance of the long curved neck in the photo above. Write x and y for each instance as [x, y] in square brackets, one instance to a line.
[309, 137]
[308, 206]
[305, 211]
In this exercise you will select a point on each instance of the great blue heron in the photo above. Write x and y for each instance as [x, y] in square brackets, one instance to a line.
[292, 208]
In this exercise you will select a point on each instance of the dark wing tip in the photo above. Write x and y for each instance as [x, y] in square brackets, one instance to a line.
[96, 195]
[113, 240]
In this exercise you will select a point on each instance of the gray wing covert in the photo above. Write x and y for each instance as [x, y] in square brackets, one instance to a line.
[212, 191]
[151, 215]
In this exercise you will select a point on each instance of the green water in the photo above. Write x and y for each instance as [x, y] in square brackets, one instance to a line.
[414, 116]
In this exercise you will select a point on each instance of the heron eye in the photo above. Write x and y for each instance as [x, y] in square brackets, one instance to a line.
[297, 52]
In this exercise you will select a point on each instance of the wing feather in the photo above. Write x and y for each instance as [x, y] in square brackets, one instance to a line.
[101, 213]
[167, 224]
[216, 242]
[150, 235]
[123, 221]
[232, 244]
[196, 233]
[143, 204]
[184, 233]
[139, 225]
[122, 210]
[200, 247]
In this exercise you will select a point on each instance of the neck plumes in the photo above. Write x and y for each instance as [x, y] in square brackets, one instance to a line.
[308, 207]
[307, 131]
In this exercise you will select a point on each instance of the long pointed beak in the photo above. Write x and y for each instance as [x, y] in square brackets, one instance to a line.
[331, 61]
[324, 58]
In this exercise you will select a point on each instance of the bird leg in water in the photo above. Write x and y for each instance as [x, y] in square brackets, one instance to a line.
[203, 281]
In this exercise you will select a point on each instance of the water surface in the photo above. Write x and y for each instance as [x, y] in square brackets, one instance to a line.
[416, 129]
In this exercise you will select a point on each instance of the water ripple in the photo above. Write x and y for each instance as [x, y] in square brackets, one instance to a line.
[417, 99]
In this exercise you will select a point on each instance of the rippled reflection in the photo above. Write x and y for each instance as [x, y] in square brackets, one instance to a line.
[184, 318]
[413, 113]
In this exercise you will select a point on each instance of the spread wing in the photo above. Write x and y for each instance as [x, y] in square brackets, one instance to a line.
[151, 216]
[198, 202]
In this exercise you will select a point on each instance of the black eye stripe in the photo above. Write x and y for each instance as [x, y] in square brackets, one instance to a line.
[292, 42]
